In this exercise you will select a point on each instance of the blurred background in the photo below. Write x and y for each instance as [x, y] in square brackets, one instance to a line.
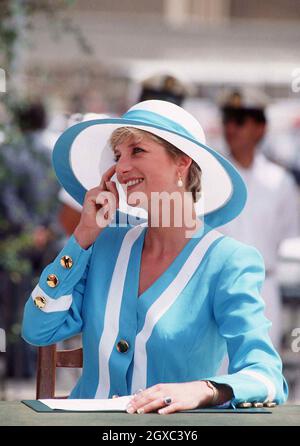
[234, 64]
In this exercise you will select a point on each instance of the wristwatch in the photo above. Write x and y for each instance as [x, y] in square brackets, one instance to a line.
[215, 390]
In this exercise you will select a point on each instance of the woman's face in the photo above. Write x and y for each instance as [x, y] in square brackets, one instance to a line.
[149, 163]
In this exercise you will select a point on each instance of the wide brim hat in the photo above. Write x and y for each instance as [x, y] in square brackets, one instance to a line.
[83, 153]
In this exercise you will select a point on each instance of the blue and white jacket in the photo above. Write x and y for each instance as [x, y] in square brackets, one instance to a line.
[206, 304]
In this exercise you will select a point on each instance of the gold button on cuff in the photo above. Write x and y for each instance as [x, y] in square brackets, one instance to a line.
[122, 346]
[66, 262]
[52, 280]
[40, 302]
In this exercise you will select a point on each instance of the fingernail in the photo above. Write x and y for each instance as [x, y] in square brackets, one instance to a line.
[140, 411]
[161, 411]
[130, 409]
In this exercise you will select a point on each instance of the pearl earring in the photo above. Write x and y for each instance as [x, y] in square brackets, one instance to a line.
[179, 182]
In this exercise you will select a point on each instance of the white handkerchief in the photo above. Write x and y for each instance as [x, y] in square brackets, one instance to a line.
[111, 404]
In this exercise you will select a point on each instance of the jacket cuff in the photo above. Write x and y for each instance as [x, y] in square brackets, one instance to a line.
[59, 278]
[248, 386]
[48, 305]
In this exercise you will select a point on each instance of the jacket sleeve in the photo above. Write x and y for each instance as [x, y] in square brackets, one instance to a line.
[255, 368]
[53, 311]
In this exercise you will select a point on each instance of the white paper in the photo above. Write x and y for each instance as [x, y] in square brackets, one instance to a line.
[111, 404]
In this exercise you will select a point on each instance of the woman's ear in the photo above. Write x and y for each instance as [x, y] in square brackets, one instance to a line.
[184, 162]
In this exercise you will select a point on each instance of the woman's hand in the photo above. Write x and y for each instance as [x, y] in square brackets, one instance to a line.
[184, 396]
[99, 206]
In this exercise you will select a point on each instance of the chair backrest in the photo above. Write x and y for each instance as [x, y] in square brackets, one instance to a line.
[48, 359]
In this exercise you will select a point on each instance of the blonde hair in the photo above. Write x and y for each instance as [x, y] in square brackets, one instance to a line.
[123, 134]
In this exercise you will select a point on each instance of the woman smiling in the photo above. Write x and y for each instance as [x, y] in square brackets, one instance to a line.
[159, 305]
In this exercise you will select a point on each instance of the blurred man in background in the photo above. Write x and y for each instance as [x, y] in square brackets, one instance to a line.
[163, 87]
[272, 210]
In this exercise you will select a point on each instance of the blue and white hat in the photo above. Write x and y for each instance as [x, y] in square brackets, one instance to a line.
[83, 153]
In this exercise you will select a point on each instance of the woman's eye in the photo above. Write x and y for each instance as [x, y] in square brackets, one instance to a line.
[139, 149]
[135, 149]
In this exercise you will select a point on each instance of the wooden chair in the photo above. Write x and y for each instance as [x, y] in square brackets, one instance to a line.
[48, 359]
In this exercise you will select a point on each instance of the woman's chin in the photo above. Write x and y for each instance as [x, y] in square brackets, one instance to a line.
[138, 206]
[134, 203]
[137, 199]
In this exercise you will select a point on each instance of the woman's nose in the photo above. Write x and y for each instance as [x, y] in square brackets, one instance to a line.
[123, 165]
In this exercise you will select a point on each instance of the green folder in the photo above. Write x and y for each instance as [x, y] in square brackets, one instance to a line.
[37, 406]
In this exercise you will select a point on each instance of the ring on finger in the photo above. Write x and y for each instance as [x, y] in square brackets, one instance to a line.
[167, 400]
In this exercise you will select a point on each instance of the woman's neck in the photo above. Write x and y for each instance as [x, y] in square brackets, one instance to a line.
[161, 240]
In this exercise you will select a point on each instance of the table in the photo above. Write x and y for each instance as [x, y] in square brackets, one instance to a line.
[17, 414]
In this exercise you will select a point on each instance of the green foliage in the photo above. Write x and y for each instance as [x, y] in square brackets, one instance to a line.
[17, 16]
[11, 260]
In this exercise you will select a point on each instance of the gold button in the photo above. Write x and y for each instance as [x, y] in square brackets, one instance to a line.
[122, 346]
[244, 405]
[40, 302]
[257, 404]
[52, 280]
[270, 404]
[66, 262]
